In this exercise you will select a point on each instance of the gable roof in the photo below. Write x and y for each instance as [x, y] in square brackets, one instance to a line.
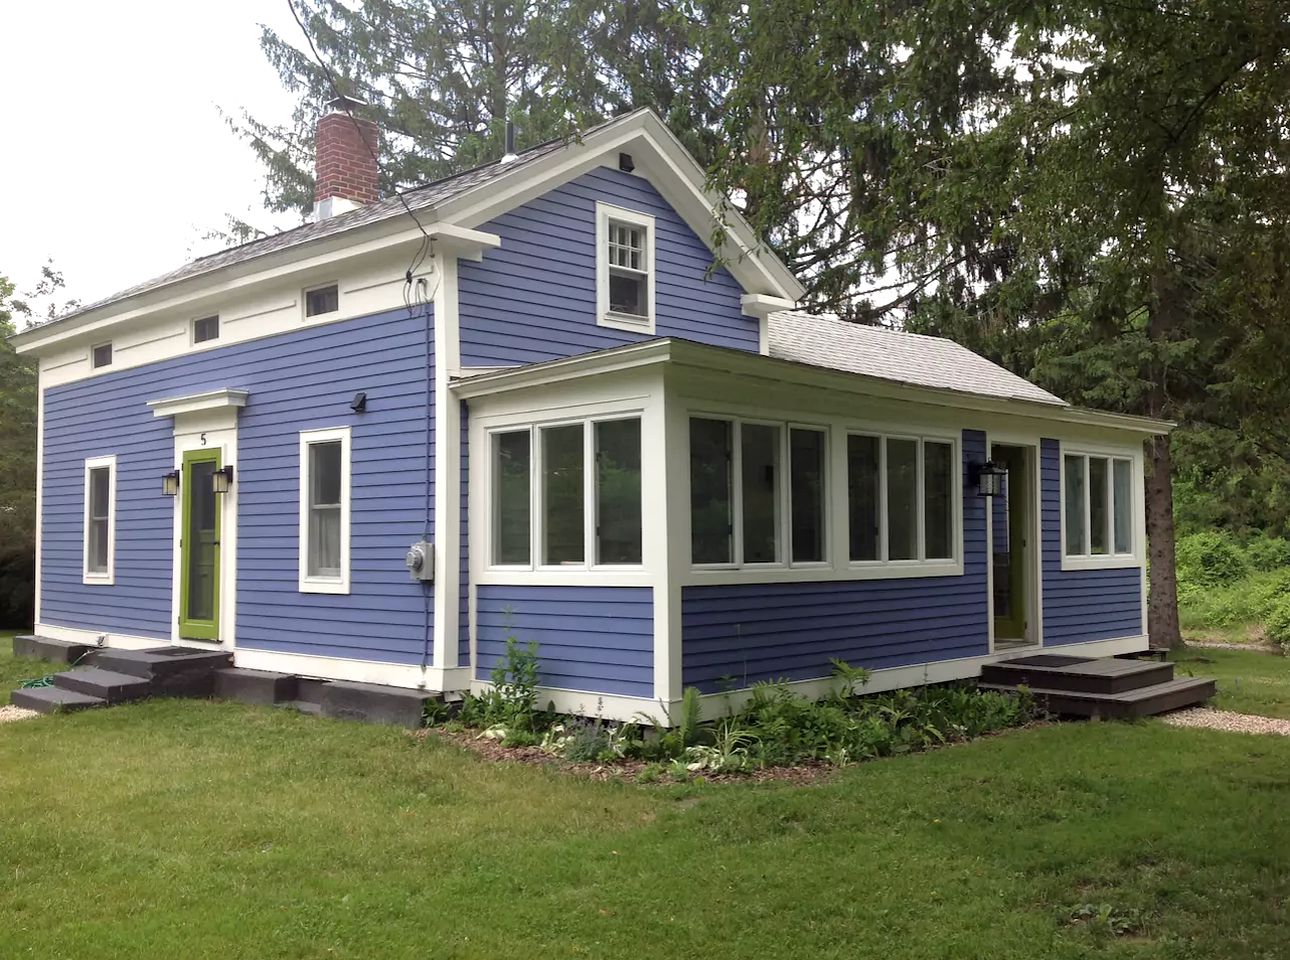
[897, 356]
[499, 181]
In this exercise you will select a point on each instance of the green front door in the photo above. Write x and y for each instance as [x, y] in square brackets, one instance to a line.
[1011, 549]
[199, 547]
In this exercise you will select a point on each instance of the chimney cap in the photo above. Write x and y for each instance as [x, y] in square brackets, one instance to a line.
[343, 104]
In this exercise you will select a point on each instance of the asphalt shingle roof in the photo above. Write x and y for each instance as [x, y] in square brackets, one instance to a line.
[897, 356]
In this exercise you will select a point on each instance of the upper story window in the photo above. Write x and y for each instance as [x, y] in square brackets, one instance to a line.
[1097, 507]
[746, 509]
[568, 494]
[322, 300]
[624, 269]
[205, 329]
[101, 356]
[100, 519]
[324, 511]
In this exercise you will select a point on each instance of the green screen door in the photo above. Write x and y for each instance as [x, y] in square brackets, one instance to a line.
[199, 547]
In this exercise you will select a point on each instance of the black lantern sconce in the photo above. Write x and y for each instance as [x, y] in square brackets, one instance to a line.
[222, 480]
[170, 483]
[989, 479]
[359, 403]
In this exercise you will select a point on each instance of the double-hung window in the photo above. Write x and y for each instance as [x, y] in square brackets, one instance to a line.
[1097, 508]
[100, 520]
[624, 269]
[567, 495]
[902, 494]
[757, 493]
[324, 511]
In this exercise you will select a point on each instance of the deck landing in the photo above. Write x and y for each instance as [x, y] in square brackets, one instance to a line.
[1106, 687]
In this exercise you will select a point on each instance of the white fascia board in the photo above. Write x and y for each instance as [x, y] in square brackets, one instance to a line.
[198, 402]
[760, 305]
[673, 172]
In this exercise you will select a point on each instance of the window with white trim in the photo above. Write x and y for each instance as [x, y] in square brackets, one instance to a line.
[567, 495]
[100, 520]
[205, 329]
[624, 269]
[902, 497]
[322, 300]
[324, 510]
[744, 506]
[101, 355]
[1097, 506]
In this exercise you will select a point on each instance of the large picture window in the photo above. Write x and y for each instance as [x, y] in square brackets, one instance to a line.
[588, 495]
[1097, 507]
[324, 511]
[902, 495]
[100, 520]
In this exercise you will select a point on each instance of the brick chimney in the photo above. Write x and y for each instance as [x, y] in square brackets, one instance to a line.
[345, 168]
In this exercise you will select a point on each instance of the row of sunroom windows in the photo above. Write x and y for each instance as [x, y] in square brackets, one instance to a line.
[570, 495]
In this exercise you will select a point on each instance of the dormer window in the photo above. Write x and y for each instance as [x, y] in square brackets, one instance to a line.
[322, 300]
[101, 355]
[624, 269]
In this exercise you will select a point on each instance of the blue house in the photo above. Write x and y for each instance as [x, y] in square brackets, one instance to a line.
[554, 402]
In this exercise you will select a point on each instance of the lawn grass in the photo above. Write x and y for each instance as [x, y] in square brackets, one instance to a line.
[13, 670]
[197, 829]
[1249, 681]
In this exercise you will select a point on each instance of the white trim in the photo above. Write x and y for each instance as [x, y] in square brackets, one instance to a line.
[199, 402]
[605, 317]
[445, 644]
[1032, 447]
[101, 577]
[588, 703]
[111, 354]
[96, 638]
[313, 583]
[40, 483]
[192, 329]
[308, 317]
[1111, 560]
[761, 306]
[409, 676]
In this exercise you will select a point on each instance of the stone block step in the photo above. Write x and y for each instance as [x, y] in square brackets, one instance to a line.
[254, 686]
[1077, 674]
[47, 648]
[373, 703]
[107, 685]
[174, 671]
[53, 700]
[1128, 704]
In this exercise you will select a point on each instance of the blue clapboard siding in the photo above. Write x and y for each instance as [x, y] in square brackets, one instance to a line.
[599, 639]
[1081, 605]
[298, 381]
[534, 298]
[743, 633]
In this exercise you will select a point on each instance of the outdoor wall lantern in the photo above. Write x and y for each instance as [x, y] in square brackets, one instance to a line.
[989, 479]
[170, 483]
[222, 480]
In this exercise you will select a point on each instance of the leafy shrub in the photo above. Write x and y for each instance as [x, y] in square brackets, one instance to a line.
[1209, 559]
[1247, 601]
[1277, 624]
[1268, 553]
[509, 706]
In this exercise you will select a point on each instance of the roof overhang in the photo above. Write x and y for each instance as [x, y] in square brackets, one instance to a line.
[225, 399]
[710, 359]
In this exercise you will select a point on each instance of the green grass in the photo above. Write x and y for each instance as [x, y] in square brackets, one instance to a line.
[1249, 681]
[195, 829]
[14, 671]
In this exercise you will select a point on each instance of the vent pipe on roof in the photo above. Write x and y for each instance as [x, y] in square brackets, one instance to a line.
[346, 146]
[509, 155]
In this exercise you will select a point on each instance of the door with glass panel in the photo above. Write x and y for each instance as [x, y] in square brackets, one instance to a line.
[1010, 532]
[199, 547]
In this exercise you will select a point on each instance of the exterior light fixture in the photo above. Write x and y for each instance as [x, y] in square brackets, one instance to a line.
[170, 483]
[359, 403]
[989, 479]
[222, 480]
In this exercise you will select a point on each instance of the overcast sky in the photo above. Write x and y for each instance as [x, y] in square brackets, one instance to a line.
[114, 158]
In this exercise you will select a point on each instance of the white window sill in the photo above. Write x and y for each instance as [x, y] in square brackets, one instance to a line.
[1116, 561]
[98, 579]
[822, 573]
[603, 576]
[627, 321]
[319, 585]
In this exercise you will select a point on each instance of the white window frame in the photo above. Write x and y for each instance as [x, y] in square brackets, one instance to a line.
[304, 302]
[590, 562]
[103, 577]
[952, 565]
[111, 360]
[192, 329]
[318, 584]
[1099, 561]
[783, 496]
[604, 316]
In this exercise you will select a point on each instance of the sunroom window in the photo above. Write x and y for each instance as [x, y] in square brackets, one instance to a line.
[901, 499]
[1097, 507]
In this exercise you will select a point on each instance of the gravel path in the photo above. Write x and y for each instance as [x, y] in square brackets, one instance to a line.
[9, 713]
[1227, 720]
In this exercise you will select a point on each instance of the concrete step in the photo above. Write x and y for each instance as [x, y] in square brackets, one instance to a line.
[303, 706]
[53, 700]
[1128, 704]
[107, 685]
[47, 648]
[174, 671]
[373, 703]
[254, 686]
[1077, 674]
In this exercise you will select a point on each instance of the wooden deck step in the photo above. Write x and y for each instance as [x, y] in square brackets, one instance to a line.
[1127, 704]
[1077, 674]
[107, 685]
[53, 699]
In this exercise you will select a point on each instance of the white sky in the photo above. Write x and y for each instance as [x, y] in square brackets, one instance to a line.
[113, 158]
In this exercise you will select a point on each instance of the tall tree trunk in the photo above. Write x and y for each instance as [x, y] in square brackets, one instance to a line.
[1162, 601]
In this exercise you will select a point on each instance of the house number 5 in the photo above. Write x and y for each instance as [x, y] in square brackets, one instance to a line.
[203, 439]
